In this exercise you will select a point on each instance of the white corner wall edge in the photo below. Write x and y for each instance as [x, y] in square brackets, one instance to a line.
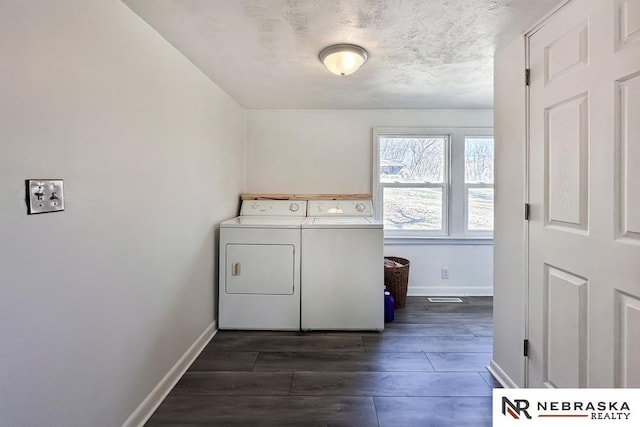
[442, 291]
[504, 379]
[144, 411]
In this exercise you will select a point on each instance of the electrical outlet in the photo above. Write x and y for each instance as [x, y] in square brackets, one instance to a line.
[44, 195]
[444, 273]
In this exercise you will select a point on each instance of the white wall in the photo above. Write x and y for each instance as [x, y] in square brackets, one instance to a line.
[509, 243]
[330, 151]
[470, 268]
[98, 302]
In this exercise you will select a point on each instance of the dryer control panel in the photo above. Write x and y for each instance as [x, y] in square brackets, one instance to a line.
[274, 208]
[362, 207]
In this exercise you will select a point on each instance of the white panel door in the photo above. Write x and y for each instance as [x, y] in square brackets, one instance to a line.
[584, 192]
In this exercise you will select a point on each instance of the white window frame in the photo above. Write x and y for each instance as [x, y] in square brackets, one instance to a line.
[467, 186]
[455, 193]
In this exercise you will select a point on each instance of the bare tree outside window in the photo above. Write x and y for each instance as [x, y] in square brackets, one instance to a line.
[478, 164]
[406, 160]
[412, 173]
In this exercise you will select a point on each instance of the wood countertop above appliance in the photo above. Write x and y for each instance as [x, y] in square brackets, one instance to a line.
[252, 196]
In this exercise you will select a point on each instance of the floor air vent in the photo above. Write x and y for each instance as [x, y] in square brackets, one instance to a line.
[441, 299]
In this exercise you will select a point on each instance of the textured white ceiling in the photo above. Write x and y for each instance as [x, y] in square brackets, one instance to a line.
[422, 53]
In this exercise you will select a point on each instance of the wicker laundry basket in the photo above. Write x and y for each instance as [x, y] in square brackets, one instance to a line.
[396, 279]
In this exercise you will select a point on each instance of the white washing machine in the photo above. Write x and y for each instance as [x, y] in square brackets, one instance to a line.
[259, 284]
[342, 267]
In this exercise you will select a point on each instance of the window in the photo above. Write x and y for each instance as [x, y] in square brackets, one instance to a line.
[434, 182]
[413, 175]
[478, 183]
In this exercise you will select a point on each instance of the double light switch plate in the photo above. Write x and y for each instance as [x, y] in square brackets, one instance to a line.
[45, 195]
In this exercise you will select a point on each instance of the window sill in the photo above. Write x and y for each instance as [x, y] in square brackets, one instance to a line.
[422, 240]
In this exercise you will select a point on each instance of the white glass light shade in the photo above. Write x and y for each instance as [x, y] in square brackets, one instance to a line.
[343, 59]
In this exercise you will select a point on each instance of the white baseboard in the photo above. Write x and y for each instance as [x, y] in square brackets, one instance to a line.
[501, 376]
[162, 389]
[442, 291]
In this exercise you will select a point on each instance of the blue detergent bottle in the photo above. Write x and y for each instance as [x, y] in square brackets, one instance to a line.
[389, 304]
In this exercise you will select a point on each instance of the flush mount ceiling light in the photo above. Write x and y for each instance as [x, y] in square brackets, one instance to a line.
[343, 59]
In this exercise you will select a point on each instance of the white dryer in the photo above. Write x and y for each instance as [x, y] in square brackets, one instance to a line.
[259, 285]
[342, 267]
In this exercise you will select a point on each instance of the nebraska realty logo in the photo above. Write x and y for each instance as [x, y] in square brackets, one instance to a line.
[565, 407]
[516, 409]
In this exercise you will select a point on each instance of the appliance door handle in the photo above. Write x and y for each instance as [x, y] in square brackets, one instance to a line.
[235, 269]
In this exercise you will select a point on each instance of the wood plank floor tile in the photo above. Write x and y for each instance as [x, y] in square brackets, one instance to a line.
[228, 333]
[342, 361]
[234, 383]
[407, 329]
[459, 308]
[469, 362]
[430, 318]
[493, 383]
[480, 329]
[479, 300]
[433, 411]
[224, 361]
[388, 384]
[414, 303]
[288, 343]
[266, 411]
[397, 344]
[353, 333]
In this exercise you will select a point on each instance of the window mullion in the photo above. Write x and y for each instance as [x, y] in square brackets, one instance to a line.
[411, 185]
[478, 185]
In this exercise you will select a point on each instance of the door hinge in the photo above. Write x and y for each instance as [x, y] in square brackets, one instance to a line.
[527, 77]
[527, 211]
[525, 348]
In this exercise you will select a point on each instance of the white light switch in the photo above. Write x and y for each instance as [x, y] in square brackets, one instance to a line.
[45, 195]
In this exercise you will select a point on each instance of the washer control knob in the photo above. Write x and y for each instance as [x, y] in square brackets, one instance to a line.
[360, 207]
[293, 207]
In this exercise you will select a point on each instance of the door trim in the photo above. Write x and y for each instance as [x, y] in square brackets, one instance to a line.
[527, 141]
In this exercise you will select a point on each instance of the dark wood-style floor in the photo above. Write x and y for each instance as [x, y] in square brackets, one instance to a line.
[426, 369]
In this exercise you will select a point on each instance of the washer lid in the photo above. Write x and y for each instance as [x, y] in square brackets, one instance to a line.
[341, 222]
[263, 222]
